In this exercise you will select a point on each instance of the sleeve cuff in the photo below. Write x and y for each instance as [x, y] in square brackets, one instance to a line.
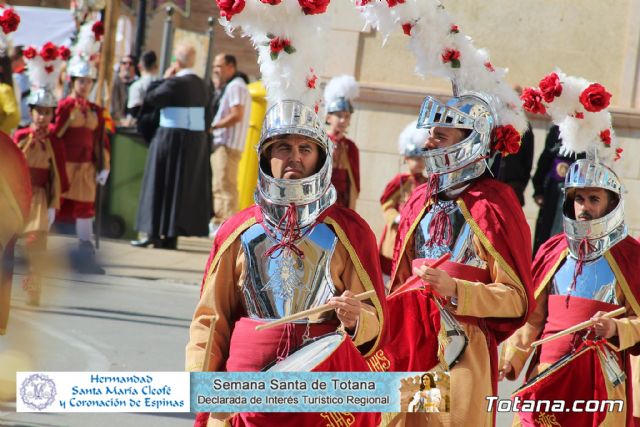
[626, 337]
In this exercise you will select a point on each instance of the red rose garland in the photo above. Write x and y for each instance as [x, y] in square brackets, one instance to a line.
[9, 21]
[49, 52]
[595, 98]
[64, 53]
[30, 52]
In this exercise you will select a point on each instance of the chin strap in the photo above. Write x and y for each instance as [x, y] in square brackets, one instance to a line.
[583, 249]
[440, 228]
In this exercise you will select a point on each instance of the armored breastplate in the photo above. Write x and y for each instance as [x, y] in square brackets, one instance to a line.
[596, 282]
[462, 249]
[284, 283]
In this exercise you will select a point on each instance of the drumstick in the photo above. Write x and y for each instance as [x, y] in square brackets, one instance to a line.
[310, 312]
[577, 327]
[415, 279]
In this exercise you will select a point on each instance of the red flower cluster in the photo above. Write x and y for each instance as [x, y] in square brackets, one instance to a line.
[311, 80]
[595, 98]
[314, 7]
[489, 66]
[579, 115]
[48, 69]
[451, 55]
[64, 53]
[277, 45]
[605, 136]
[506, 139]
[271, 2]
[362, 2]
[228, 8]
[532, 101]
[550, 87]
[406, 28]
[454, 29]
[30, 52]
[98, 30]
[49, 52]
[9, 21]
[393, 3]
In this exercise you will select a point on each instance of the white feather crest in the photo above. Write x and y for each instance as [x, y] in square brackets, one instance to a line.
[290, 75]
[344, 86]
[433, 31]
[580, 130]
[39, 76]
[86, 45]
[412, 136]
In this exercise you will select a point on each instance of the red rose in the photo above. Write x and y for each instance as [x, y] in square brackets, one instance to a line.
[454, 29]
[532, 101]
[595, 98]
[313, 7]
[64, 53]
[48, 69]
[98, 30]
[550, 87]
[605, 136]
[618, 154]
[406, 28]
[506, 139]
[9, 21]
[30, 52]
[451, 55]
[311, 81]
[228, 8]
[393, 3]
[489, 66]
[49, 52]
[271, 2]
[277, 45]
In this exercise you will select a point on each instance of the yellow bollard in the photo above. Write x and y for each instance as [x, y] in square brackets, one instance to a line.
[248, 167]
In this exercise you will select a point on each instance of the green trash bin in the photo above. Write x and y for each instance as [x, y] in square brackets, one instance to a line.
[128, 158]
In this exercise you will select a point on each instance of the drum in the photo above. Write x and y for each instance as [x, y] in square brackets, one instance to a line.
[309, 355]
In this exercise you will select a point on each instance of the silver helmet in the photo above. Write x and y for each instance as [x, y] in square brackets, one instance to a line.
[310, 195]
[82, 67]
[466, 159]
[339, 105]
[42, 97]
[600, 234]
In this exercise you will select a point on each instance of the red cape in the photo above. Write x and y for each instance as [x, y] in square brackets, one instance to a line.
[63, 112]
[353, 155]
[352, 231]
[58, 150]
[623, 257]
[500, 219]
[15, 172]
[394, 185]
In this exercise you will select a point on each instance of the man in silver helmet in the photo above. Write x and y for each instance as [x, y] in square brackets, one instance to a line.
[581, 274]
[291, 251]
[483, 291]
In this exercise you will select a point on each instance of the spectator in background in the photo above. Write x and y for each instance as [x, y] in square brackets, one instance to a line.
[229, 133]
[548, 188]
[176, 195]
[122, 80]
[23, 86]
[9, 109]
[148, 72]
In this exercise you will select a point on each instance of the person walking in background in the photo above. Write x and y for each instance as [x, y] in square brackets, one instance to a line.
[229, 133]
[122, 80]
[400, 188]
[338, 94]
[148, 73]
[175, 199]
[548, 187]
[21, 80]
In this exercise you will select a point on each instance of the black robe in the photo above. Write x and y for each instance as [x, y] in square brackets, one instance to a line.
[175, 199]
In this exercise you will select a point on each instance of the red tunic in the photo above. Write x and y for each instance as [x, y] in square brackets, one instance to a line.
[345, 176]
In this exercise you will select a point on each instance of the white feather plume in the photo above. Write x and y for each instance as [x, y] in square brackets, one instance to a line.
[343, 86]
[290, 75]
[86, 45]
[38, 74]
[411, 136]
[432, 31]
[580, 129]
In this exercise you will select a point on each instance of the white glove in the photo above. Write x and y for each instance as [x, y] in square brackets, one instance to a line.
[51, 213]
[396, 220]
[102, 176]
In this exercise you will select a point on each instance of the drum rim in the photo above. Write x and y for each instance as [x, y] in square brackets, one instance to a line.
[311, 341]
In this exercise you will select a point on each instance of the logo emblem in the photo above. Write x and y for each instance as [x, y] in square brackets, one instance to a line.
[38, 391]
